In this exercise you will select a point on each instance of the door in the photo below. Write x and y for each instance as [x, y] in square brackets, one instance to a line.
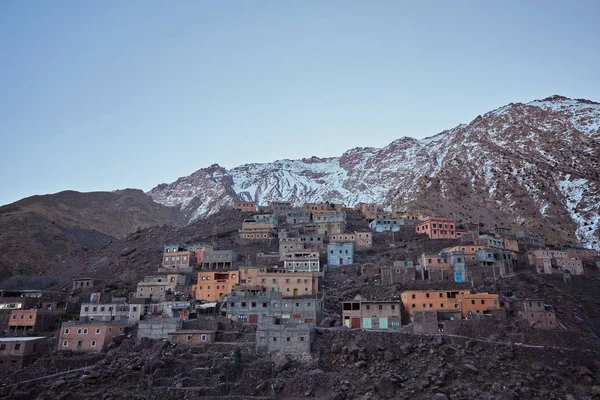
[253, 319]
[356, 322]
[458, 277]
[341, 261]
[294, 220]
[366, 323]
[383, 323]
[347, 322]
[295, 292]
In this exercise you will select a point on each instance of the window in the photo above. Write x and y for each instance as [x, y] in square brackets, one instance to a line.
[95, 309]
[427, 295]
[381, 307]
[414, 296]
[393, 306]
[243, 304]
[289, 339]
[442, 305]
[482, 301]
[98, 330]
[79, 331]
[424, 305]
[472, 301]
[430, 305]
[302, 338]
[368, 307]
[65, 343]
[2, 347]
[274, 339]
[101, 308]
[264, 305]
[441, 295]
[93, 343]
[87, 309]
[189, 337]
[203, 338]
[17, 346]
[67, 330]
[85, 331]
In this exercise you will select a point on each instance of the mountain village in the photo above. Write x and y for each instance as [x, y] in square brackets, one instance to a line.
[275, 302]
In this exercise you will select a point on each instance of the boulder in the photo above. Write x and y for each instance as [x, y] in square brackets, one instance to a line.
[281, 361]
[386, 387]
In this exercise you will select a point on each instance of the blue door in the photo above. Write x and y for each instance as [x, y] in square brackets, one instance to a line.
[458, 277]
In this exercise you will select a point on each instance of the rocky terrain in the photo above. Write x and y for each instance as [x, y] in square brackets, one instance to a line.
[41, 231]
[531, 166]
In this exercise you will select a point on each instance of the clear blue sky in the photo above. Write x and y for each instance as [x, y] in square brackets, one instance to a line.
[113, 94]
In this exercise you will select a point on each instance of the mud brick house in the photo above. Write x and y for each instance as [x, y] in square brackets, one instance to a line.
[322, 207]
[292, 337]
[83, 283]
[305, 309]
[183, 258]
[454, 300]
[259, 227]
[581, 253]
[437, 227]
[88, 336]
[330, 228]
[33, 320]
[158, 328]
[245, 206]
[371, 314]
[361, 240]
[192, 338]
[415, 215]
[340, 254]
[289, 245]
[368, 210]
[219, 260]
[400, 272]
[297, 217]
[301, 261]
[19, 352]
[156, 287]
[470, 252]
[248, 305]
[490, 241]
[313, 241]
[528, 241]
[40, 299]
[328, 216]
[535, 312]
[213, 285]
[280, 208]
[287, 283]
[435, 321]
[503, 261]
[272, 258]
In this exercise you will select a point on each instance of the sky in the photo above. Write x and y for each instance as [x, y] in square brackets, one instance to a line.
[109, 95]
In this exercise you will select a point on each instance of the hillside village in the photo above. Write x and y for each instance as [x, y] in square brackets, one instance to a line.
[296, 276]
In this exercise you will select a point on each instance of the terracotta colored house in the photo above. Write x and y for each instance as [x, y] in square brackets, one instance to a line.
[361, 240]
[182, 258]
[213, 285]
[245, 206]
[537, 314]
[583, 254]
[90, 336]
[437, 227]
[443, 300]
[32, 320]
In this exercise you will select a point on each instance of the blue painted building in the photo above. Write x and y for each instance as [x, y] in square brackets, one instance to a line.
[340, 254]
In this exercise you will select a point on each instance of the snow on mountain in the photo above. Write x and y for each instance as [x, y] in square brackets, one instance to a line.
[530, 166]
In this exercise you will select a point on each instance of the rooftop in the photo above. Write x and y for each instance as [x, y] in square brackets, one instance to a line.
[21, 339]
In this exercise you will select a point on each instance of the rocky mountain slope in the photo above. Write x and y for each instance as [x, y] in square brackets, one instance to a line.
[531, 166]
[42, 230]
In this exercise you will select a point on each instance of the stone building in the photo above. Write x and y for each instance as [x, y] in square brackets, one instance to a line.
[19, 352]
[191, 337]
[83, 283]
[294, 338]
[535, 312]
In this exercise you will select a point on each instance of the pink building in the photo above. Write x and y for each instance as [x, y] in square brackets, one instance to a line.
[573, 265]
[435, 262]
[437, 227]
[583, 254]
[542, 260]
[245, 206]
[89, 336]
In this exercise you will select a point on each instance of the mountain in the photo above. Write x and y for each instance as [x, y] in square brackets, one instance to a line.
[531, 167]
[41, 230]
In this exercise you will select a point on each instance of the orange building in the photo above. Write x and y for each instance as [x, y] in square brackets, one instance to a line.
[32, 320]
[437, 227]
[450, 300]
[89, 336]
[181, 257]
[213, 284]
[288, 283]
[245, 206]
[511, 244]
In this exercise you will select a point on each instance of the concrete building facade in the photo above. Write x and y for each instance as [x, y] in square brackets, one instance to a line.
[370, 314]
[437, 227]
[339, 254]
[88, 336]
[454, 300]
[213, 285]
